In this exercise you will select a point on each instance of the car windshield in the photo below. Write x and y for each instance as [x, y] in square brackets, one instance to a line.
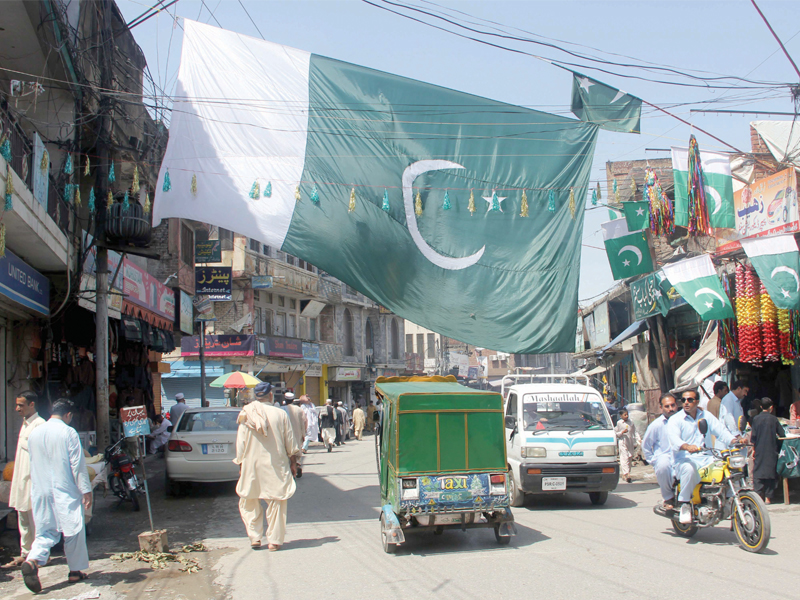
[223, 420]
[545, 412]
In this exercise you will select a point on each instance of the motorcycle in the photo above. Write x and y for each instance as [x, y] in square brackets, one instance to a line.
[723, 494]
[122, 479]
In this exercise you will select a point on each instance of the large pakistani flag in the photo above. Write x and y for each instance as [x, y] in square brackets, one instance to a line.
[696, 280]
[628, 251]
[604, 105]
[777, 262]
[717, 182]
[369, 176]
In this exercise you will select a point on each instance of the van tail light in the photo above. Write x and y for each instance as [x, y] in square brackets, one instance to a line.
[179, 446]
[498, 479]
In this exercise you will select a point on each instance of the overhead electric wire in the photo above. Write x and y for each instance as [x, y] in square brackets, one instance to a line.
[251, 20]
[777, 39]
[139, 20]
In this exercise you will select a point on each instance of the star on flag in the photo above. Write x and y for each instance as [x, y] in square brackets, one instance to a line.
[639, 212]
[499, 201]
[785, 293]
[585, 83]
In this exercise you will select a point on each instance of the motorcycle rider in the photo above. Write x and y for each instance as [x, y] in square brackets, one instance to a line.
[686, 442]
[657, 451]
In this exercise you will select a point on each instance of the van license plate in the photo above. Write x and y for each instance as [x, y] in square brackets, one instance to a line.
[215, 448]
[552, 484]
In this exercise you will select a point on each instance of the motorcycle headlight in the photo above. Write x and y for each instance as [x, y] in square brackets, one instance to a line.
[606, 450]
[534, 452]
[737, 462]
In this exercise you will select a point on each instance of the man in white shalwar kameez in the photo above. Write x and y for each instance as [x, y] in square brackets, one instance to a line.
[312, 430]
[60, 492]
[627, 438]
[265, 452]
[20, 495]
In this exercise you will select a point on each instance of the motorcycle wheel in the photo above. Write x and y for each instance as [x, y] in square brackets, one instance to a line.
[117, 487]
[682, 530]
[134, 499]
[753, 534]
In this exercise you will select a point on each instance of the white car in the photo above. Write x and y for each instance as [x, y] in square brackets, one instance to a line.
[201, 448]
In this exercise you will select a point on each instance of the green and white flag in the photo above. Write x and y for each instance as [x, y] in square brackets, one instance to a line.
[604, 105]
[777, 262]
[637, 215]
[717, 182]
[628, 251]
[313, 132]
[696, 280]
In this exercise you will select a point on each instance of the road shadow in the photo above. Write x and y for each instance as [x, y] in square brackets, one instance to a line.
[455, 541]
[311, 542]
[574, 501]
[713, 536]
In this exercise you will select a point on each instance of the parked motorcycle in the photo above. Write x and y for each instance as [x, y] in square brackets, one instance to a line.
[122, 479]
[723, 494]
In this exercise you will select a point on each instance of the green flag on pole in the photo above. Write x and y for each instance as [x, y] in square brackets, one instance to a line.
[696, 280]
[637, 215]
[628, 252]
[604, 105]
[717, 181]
[777, 262]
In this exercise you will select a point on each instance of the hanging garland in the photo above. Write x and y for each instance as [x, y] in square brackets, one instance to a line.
[748, 315]
[2, 239]
[698, 209]
[727, 340]
[5, 148]
[662, 212]
[523, 210]
[784, 336]
[9, 187]
[769, 326]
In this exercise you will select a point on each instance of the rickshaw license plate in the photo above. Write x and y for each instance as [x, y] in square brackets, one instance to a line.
[447, 519]
[554, 483]
[215, 448]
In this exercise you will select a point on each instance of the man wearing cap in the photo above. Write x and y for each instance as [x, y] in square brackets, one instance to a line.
[297, 417]
[327, 423]
[266, 452]
[178, 409]
[343, 425]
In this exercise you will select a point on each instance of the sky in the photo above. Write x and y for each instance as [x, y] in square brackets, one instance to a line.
[719, 38]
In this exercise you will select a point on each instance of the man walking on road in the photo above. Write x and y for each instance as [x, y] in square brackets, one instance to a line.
[297, 418]
[344, 426]
[359, 421]
[266, 452]
[20, 495]
[312, 429]
[60, 492]
[628, 438]
[764, 437]
[327, 423]
[656, 450]
[178, 409]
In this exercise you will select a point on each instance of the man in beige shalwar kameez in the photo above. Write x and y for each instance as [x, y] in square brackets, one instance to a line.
[266, 454]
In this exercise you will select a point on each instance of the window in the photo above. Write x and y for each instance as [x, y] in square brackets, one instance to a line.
[266, 321]
[281, 301]
[394, 334]
[369, 341]
[268, 297]
[301, 264]
[187, 244]
[289, 259]
[265, 250]
[410, 343]
[210, 421]
[312, 329]
[257, 320]
[309, 267]
[201, 235]
[256, 296]
[291, 329]
[350, 290]
[293, 303]
[226, 239]
[421, 344]
[255, 245]
[431, 345]
[347, 343]
[511, 408]
[280, 324]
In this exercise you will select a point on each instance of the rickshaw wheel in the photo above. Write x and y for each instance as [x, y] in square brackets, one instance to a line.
[388, 547]
[503, 540]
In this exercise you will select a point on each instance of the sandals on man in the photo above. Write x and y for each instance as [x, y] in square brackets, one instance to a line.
[14, 563]
[273, 547]
[30, 576]
[76, 576]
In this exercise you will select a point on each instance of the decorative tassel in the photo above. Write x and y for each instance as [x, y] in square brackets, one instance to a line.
[594, 197]
[111, 176]
[268, 190]
[68, 165]
[471, 205]
[77, 196]
[616, 192]
[297, 196]
[44, 166]
[551, 201]
[255, 191]
[147, 204]
[194, 185]
[9, 187]
[68, 193]
[135, 184]
[523, 211]
[2, 239]
[110, 200]
[5, 149]
[495, 202]
[634, 187]
[599, 193]
[385, 205]
[418, 204]
[314, 195]
[572, 202]
[446, 202]
[86, 171]
[698, 208]
[662, 211]
[352, 205]
[125, 202]
[167, 183]
[91, 201]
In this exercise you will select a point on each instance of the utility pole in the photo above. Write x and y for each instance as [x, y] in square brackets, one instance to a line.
[203, 401]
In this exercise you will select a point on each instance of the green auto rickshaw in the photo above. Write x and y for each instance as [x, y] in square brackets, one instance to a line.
[441, 458]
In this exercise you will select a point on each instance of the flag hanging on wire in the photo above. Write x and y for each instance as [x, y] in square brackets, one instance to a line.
[604, 105]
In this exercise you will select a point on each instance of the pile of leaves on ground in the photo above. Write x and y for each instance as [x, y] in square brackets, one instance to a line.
[162, 560]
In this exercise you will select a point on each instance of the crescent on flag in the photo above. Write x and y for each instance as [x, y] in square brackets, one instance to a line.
[706, 290]
[710, 191]
[633, 249]
[409, 176]
[791, 272]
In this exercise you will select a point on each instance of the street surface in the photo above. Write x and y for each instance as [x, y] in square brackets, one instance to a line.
[565, 548]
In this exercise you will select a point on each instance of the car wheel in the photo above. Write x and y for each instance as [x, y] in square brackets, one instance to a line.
[171, 487]
[598, 498]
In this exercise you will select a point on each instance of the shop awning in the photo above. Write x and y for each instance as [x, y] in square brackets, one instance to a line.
[632, 330]
[700, 365]
[606, 365]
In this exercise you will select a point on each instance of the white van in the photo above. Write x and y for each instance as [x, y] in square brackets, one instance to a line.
[559, 437]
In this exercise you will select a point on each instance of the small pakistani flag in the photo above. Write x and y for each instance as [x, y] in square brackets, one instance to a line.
[717, 182]
[777, 262]
[696, 280]
[628, 252]
[604, 105]
[637, 215]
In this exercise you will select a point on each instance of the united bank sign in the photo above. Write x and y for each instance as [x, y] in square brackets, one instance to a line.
[23, 284]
